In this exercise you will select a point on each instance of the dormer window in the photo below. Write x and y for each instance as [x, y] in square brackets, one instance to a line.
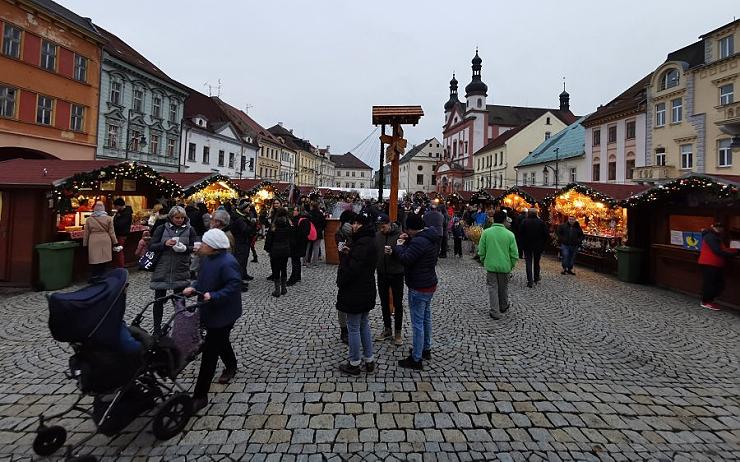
[669, 79]
[726, 47]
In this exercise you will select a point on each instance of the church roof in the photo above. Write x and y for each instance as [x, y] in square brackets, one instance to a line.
[414, 151]
[568, 142]
[514, 116]
[501, 139]
[349, 160]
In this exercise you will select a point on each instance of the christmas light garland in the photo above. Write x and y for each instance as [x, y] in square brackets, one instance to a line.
[209, 181]
[164, 187]
[582, 189]
[531, 201]
[481, 196]
[660, 193]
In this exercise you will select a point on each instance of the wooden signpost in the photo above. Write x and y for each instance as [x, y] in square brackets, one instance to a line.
[395, 116]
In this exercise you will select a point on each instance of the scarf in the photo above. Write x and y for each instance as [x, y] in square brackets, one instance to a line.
[100, 213]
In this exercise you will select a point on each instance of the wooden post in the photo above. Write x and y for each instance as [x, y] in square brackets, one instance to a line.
[393, 205]
[381, 177]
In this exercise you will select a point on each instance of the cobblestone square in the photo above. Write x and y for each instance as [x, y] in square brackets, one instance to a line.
[581, 368]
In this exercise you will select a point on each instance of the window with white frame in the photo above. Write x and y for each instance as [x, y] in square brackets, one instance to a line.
[173, 112]
[669, 79]
[726, 47]
[660, 157]
[171, 147]
[597, 138]
[7, 101]
[206, 158]
[629, 165]
[154, 145]
[48, 55]
[191, 152]
[676, 110]
[687, 157]
[660, 115]
[420, 179]
[77, 118]
[134, 142]
[80, 68]
[115, 92]
[157, 106]
[547, 135]
[231, 160]
[138, 99]
[11, 41]
[725, 153]
[221, 158]
[532, 178]
[44, 108]
[573, 175]
[545, 177]
[726, 94]
[111, 137]
[611, 134]
[630, 128]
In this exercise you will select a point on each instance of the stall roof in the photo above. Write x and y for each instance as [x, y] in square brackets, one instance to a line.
[30, 173]
[537, 192]
[617, 191]
[186, 180]
[245, 184]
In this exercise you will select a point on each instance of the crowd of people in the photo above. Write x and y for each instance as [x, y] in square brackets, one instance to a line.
[191, 251]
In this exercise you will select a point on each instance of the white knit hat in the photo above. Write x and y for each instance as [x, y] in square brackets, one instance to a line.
[216, 239]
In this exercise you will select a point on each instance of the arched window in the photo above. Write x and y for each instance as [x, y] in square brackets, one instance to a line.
[596, 169]
[669, 79]
[612, 171]
[629, 165]
[480, 103]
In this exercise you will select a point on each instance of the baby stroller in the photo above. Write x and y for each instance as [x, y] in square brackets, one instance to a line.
[125, 370]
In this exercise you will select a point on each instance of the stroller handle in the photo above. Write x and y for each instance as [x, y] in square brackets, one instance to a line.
[166, 298]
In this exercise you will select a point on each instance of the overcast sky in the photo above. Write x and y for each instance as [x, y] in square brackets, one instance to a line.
[318, 66]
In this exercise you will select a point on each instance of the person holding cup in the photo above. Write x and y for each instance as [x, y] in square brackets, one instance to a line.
[390, 278]
[174, 242]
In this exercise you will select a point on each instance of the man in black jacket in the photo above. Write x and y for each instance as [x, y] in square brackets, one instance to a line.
[242, 229]
[570, 236]
[418, 250]
[122, 227]
[390, 277]
[533, 236]
[299, 241]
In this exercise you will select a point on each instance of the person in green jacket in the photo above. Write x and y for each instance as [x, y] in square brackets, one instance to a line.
[498, 252]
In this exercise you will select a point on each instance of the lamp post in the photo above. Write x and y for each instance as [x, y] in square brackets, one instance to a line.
[555, 170]
[142, 139]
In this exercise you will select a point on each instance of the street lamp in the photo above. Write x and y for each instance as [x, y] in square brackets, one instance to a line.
[554, 170]
[129, 141]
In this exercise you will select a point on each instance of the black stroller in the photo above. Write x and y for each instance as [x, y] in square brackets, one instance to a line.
[127, 371]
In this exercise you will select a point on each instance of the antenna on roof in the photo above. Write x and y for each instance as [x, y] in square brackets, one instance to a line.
[563, 83]
[219, 88]
[210, 88]
[247, 107]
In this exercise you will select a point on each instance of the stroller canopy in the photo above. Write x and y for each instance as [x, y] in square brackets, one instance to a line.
[91, 315]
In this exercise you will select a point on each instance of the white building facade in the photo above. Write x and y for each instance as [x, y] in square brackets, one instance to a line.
[216, 148]
[417, 167]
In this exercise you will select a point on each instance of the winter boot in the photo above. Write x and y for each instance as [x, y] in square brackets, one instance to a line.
[398, 338]
[283, 290]
[276, 292]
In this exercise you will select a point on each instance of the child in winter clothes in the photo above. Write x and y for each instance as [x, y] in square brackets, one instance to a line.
[458, 232]
[143, 246]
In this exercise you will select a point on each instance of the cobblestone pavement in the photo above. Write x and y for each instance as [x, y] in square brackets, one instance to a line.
[581, 368]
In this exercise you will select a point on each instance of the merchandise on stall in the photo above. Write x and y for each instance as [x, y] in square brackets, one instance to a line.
[214, 191]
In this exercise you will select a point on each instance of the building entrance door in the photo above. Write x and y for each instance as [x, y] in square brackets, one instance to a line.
[4, 234]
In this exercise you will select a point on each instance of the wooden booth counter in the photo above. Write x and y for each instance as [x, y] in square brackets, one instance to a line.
[677, 269]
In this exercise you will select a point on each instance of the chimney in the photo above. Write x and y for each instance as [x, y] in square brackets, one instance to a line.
[280, 124]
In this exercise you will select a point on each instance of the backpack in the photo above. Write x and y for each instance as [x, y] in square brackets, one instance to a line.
[312, 234]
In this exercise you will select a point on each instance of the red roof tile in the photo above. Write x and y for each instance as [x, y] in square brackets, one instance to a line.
[617, 191]
[186, 180]
[45, 172]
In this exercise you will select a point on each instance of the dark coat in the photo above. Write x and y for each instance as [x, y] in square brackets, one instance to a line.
[458, 231]
[319, 222]
[570, 235]
[173, 268]
[122, 222]
[299, 235]
[196, 219]
[419, 257]
[277, 241]
[388, 264]
[243, 231]
[356, 274]
[435, 220]
[533, 234]
[220, 276]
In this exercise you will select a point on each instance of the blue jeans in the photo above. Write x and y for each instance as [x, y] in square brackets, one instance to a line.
[568, 256]
[358, 329]
[420, 308]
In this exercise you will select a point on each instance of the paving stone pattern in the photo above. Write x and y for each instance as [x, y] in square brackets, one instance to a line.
[581, 368]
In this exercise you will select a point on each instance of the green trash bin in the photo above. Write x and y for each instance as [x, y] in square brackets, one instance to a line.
[629, 263]
[56, 262]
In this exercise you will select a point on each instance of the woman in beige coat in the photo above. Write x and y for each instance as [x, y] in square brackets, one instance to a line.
[99, 239]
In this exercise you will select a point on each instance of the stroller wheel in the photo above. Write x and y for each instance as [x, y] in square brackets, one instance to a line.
[172, 418]
[48, 440]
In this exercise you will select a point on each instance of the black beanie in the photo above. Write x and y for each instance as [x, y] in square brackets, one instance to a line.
[414, 222]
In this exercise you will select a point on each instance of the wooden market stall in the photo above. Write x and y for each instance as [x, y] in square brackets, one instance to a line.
[49, 200]
[212, 189]
[597, 208]
[666, 222]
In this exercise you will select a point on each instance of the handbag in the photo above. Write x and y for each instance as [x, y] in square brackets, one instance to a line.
[149, 260]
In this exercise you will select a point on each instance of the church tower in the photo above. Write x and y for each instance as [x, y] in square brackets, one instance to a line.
[453, 101]
[476, 91]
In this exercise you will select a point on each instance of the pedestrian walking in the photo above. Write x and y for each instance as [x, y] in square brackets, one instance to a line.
[390, 279]
[300, 228]
[499, 254]
[220, 219]
[99, 237]
[173, 242]
[243, 228]
[277, 244]
[570, 236]
[122, 227]
[418, 250]
[343, 237]
[533, 235]
[219, 282]
[712, 259]
[458, 233]
[319, 222]
[356, 292]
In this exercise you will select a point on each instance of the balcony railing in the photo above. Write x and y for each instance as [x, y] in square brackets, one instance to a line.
[651, 173]
[142, 157]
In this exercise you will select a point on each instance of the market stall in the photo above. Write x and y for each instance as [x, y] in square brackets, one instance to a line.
[138, 185]
[213, 191]
[666, 223]
[516, 199]
[603, 220]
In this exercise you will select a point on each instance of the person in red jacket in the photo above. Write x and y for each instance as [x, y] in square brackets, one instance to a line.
[712, 259]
